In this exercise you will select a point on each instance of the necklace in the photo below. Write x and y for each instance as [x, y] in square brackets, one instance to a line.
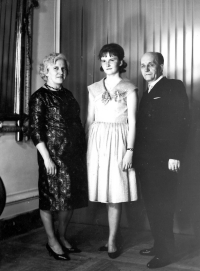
[55, 89]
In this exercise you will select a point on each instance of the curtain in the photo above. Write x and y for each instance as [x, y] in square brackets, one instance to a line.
[171, 27]
[8, 11]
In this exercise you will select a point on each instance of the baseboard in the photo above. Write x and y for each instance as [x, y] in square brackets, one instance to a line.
[20, 224]
[21, 195]
[19, 206]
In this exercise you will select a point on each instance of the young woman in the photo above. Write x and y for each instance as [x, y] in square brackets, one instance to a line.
[111, 134]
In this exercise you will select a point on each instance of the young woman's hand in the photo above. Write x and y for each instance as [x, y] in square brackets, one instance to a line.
[127, 160]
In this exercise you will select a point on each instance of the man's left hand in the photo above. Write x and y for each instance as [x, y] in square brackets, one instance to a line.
[174, 165]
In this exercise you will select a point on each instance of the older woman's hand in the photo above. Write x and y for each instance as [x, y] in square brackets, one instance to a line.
[50, 166]
[48, 162]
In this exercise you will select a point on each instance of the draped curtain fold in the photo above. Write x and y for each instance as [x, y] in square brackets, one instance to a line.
[8, 12]
[15, 57]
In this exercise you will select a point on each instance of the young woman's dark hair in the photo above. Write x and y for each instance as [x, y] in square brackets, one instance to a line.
[115, 50]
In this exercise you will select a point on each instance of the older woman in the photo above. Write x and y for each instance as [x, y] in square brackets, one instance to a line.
[58, 135]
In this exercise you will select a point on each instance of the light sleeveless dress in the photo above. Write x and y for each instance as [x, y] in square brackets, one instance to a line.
[107, 143]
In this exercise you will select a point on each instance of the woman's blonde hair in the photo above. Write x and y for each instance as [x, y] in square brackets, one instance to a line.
[51, 59]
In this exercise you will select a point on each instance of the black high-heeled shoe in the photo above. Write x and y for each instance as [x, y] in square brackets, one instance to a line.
[119, 243]
[61, 257]
[71, 249]
[103, 248]
[114, 255]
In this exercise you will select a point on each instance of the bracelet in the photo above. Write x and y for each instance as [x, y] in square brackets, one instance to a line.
[130, 149]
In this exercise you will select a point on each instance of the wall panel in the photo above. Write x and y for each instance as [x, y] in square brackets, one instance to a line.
[171, 27]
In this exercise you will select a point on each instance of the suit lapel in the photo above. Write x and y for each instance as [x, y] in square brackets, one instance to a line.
[157, 90]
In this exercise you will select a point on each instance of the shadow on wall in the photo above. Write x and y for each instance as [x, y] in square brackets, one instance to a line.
[188, 202]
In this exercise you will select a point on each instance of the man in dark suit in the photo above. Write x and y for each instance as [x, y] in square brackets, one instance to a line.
[161, 133]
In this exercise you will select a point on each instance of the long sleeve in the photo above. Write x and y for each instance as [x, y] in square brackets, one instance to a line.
[179, 120]
[162, 124]
[37, 118]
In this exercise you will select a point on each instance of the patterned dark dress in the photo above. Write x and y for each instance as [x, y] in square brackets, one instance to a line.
[54, 120]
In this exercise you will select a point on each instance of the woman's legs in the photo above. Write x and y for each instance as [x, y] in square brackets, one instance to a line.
[47, 220]
[114, 215]
[64, 218]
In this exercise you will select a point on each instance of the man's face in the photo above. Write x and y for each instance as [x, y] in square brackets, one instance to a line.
[150, 68]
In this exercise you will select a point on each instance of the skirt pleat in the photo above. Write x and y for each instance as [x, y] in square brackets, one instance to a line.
[107, 182]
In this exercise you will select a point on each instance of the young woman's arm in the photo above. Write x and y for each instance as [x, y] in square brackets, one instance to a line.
[132, 109]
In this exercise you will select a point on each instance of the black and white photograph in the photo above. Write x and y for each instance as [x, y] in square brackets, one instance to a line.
[99, 135]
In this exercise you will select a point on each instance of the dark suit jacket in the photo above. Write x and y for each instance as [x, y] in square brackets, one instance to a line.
[162, 124]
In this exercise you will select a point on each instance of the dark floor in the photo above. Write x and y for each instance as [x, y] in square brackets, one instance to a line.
[27, 252]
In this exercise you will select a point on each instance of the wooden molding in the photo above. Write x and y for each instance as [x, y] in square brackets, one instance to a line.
[21, 196]
[57, 26]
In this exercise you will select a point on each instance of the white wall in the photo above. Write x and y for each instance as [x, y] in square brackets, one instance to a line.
[18, 160]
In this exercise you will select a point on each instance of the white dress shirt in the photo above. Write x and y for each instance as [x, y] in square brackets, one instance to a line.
[152, 84]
